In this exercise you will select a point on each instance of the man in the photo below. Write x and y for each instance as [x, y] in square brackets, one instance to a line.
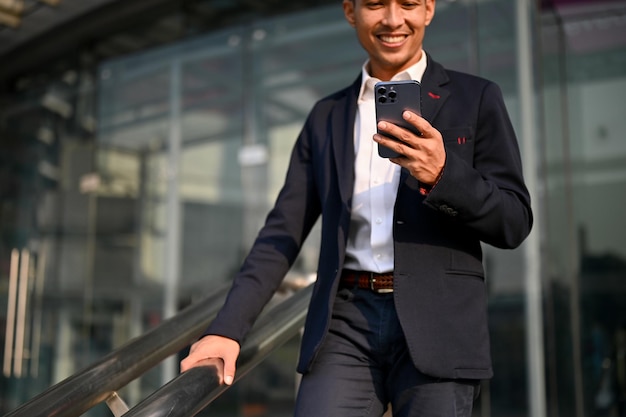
[398, 313]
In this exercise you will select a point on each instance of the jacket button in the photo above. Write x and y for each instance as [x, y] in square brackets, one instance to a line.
[448, 210]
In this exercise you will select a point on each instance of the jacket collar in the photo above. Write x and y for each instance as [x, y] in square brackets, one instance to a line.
[434, 94]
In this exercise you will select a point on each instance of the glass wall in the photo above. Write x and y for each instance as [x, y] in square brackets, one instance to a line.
[133, 186]
[584, 85]
[51, 322]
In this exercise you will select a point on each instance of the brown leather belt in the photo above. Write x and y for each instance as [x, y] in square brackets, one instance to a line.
[380, 283]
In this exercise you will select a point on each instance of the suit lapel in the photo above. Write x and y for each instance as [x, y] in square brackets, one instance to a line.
[342, 137]
[433, 95]
[433, 92]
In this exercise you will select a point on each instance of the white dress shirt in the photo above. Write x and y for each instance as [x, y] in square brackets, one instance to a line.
[370, 240]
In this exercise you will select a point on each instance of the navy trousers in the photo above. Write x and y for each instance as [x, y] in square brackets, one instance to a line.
[364, 365]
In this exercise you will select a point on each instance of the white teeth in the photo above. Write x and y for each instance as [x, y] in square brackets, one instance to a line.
[392, 39]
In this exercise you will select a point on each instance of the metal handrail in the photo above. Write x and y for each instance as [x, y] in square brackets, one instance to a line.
[75, 395]
[192, 391]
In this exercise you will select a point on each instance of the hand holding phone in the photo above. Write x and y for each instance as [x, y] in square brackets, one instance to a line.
[392, 98]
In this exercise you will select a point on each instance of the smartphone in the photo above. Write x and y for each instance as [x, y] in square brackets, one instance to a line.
[392, 98]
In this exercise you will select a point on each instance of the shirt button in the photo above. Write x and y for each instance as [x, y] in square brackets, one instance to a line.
[379, 220]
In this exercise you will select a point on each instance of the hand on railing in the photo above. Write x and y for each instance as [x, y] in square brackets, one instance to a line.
[194, 390]
[219, 351]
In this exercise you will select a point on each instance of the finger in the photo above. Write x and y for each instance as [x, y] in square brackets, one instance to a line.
[393, 135]
[196, 354]
[390, 130]
[216, 363]
[188, 363]
[230, 365]
[392, 144]
[421, 124]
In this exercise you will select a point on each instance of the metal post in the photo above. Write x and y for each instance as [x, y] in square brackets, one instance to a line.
[117, 405]
[135, 300]
[572, 272]
[173, 216]
[9, 337]
[532, 254]
[253, 154]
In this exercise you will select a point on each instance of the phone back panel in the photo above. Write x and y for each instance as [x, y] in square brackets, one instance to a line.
[392, 98]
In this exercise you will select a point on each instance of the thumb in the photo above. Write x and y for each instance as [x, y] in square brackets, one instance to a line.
[229, 368]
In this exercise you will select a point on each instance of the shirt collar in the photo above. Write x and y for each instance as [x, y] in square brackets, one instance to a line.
[414, 72]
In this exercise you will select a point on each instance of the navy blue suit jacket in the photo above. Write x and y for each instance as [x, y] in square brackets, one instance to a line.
[439, 282]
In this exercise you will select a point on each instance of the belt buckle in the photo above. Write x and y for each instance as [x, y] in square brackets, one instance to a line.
[380, 290]
[372, 282]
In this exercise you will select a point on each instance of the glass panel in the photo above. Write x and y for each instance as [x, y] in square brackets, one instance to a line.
[585, 82]
[479, 37]
[45, 284]
[174, 113]
[506, 393]
[294, 61]
[298, 60]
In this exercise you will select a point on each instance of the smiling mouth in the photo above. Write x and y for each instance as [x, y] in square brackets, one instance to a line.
[392, 38]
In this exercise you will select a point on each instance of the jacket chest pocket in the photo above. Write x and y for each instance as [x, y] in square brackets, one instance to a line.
[460, 141]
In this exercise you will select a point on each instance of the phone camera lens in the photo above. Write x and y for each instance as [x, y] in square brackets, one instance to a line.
[392, 94]
[382, 90]
[382, 99]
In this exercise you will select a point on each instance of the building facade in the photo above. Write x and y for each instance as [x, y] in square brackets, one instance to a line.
[142, 145]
